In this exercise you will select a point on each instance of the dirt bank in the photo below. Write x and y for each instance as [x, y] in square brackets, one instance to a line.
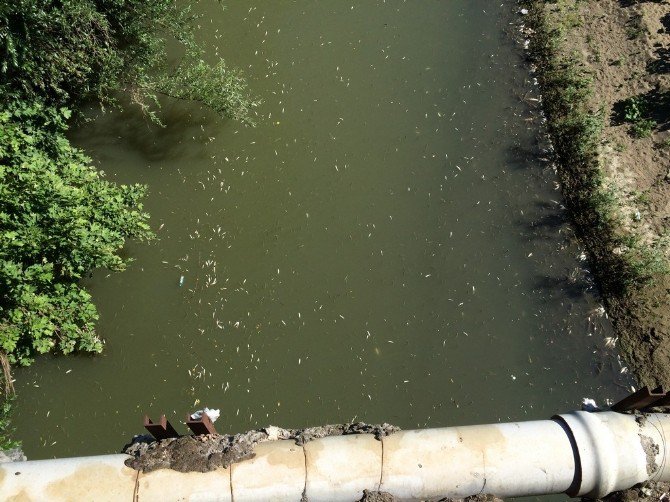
[208, 452]
[604, 70]
[369, 496]
[658, 492]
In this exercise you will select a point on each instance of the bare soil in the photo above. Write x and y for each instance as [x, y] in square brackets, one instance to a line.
[654, 492]
[625, 46]
[369, 496]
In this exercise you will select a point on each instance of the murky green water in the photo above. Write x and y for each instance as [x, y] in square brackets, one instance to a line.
[387, 244]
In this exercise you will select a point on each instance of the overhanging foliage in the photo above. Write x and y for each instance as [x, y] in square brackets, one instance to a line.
[59, 218]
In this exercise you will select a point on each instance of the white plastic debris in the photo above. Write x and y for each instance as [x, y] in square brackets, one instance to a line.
[275, 433]
[589, 404]
[213, 415]
[524, 12]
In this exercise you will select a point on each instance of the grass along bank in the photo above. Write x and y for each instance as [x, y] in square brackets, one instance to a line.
[606, 91]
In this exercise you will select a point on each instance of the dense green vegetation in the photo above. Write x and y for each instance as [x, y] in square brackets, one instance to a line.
[60, 52]
[6, 441]
[59, 218]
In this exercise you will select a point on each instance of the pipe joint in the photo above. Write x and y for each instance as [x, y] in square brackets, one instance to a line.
[615, 451]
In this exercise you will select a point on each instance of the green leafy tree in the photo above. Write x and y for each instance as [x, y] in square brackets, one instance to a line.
[63, 51]
[59, 219]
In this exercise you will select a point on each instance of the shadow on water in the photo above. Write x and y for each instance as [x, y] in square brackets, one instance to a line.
[570, 285]
[130, 129]
[527, 156]
[548, 224]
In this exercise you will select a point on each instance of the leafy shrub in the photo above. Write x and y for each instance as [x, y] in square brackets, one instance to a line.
[643, 128]
[6, 442]
[635, 27]
[633, 109]
[636, 111]
[59, 219]
[63, 51]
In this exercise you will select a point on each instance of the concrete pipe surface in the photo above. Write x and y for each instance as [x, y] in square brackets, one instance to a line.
[579, 453]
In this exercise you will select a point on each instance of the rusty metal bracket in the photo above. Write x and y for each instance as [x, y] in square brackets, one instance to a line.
[203, 425]
[643, 398]
[161, 430]
[664, 401]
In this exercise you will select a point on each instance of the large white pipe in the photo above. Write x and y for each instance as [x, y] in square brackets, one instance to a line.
[528, 458]
[577, 453]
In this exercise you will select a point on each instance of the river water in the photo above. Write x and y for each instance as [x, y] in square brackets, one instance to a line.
[388, 243]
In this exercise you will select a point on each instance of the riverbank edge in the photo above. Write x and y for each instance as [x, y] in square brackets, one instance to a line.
[631, 273]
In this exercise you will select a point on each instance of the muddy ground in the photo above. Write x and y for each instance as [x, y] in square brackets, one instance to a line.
[658, 492]
[624, 47]
[369, 496]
